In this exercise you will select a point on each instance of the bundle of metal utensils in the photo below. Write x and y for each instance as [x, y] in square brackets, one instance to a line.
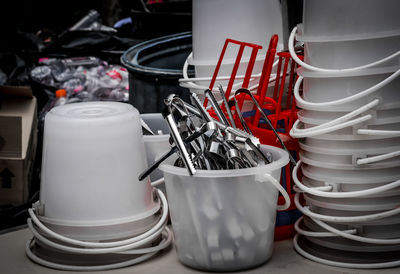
[203, 142]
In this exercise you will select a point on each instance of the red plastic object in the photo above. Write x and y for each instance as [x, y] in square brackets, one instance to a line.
[235, 68]
[283, 115]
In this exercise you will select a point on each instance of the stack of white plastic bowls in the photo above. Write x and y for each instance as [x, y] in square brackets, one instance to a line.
[350, 133]
[252, 21]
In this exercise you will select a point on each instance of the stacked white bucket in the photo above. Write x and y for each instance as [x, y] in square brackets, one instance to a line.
[349, 132]
[252, 21]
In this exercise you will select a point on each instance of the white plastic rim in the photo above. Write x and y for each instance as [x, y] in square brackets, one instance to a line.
[350, 132]
[198, 85]
[366, 176]
[347, 54]
[314, 258]
[349, 148]
[318, 90]
[128, 246]
[90, 232]
[325, 119]
[90, 149]
[280, 159]
[372, 229]
[339, 70]
[216, 20]
[325, 20]
[314, 233]
[349, 162]
[322, 105]
[319, 218]
[316, 123]
[349, 187]
[353, 204]
[339, 178]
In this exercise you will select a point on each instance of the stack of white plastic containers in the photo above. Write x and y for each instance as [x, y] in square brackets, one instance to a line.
[252, 21]
[349, 132]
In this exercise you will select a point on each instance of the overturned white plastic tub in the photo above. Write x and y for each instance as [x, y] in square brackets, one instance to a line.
[91, 162]
[223, 220]
[325, 20]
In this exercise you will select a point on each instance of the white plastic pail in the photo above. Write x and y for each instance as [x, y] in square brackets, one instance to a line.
[224, 220]
[93, 154]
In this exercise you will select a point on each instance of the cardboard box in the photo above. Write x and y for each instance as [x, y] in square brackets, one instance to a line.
[18, 137]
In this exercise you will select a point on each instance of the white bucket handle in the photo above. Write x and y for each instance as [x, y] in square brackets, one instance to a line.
[285, 195]
[378, 132]
[321, 106]
[318, 234]
[116, 246]
[344, 219]
[356, 237]
[378, 158]
[309, 67]
[341, 264]
[351, 194]
[334, 124]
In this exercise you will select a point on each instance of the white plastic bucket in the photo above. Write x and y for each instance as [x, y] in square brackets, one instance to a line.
[354, 204]
[351, 53]
[92, 156]
[351, 187]
[374, 231]
[339, 147]
[350, 133]
[338, 245]
[380, 117]
[369, 176]
[252, 21]
[325, 20]
[224, 220]
[318, 87]
[345, 161]
[156, 145]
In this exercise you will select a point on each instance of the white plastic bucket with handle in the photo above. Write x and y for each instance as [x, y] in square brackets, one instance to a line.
[325, 20]
[352, 187]
[224, 220]
[91, 163]
[156, 145]
[345, 162]
[320, 88]
[351, 53]
[252, 21]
